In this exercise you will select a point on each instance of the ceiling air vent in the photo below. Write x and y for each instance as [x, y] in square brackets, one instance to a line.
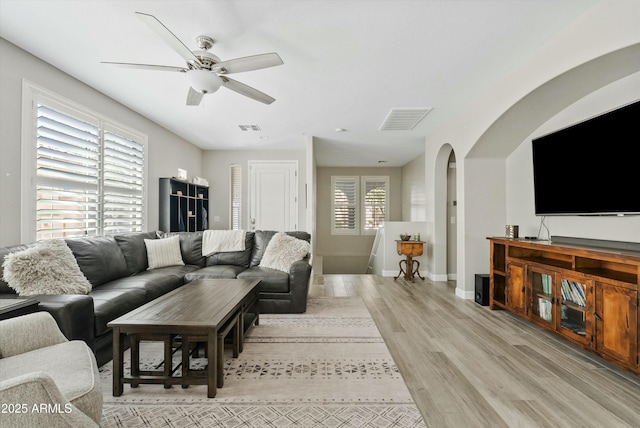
[249, 127]
[403, 119]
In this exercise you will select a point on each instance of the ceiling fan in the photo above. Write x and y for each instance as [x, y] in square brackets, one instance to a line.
[205, 72]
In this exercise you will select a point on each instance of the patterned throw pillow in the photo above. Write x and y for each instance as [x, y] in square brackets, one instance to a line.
[283, 250]
[163, 252]
[49, 267]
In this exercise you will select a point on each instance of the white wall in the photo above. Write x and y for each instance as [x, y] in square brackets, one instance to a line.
[215, 167]
[166, 151]
[414, 203]
[599, 48]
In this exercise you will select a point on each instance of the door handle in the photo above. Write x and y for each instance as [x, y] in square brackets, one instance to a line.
[597, 316]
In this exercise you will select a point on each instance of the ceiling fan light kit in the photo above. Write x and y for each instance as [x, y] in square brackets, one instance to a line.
[204, 81]
[203, 69]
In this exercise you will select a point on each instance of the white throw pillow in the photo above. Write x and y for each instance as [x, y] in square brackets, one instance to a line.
[283, 250]
[49, 267]
[163, 252]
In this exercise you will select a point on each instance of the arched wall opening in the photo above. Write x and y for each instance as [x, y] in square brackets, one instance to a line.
[485, 205]
[439, 268]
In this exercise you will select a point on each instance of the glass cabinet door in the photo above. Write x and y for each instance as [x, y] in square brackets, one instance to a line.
[573, 306]
[542, 299]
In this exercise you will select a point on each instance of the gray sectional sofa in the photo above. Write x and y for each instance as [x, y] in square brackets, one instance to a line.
[116, 267]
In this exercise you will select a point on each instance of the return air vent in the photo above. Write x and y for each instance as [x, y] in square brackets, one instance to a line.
[403, 119]
[250, 127]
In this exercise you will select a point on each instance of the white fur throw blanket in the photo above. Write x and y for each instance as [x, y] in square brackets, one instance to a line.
[222, 241]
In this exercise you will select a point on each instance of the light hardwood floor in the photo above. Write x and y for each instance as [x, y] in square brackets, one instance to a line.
[467, 366]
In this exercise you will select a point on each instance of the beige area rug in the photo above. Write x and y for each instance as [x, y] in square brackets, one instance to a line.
[328, 367]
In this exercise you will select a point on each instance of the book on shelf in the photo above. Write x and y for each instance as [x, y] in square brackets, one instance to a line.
[573, 292]
[545, 309]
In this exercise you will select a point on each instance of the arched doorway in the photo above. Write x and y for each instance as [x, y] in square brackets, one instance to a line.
[452, 219]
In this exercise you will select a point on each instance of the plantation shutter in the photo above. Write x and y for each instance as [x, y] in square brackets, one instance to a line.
[68, 174]
[123, 181]
[344, 205]
[236, 197]
[375, 202]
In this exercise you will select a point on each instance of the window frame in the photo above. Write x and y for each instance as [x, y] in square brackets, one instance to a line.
[31, 96]
[235, 172]
[356, 205]
[364, 180]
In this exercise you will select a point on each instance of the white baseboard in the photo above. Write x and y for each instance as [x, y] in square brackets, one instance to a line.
[467, 295]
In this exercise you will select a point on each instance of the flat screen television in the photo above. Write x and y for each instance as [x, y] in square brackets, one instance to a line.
[590, 168]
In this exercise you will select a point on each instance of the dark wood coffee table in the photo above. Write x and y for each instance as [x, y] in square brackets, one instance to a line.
[198, 309]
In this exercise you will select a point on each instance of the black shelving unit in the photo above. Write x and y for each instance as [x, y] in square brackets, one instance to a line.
[184, 206]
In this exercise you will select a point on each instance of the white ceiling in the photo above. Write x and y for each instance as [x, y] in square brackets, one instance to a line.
[346, 63]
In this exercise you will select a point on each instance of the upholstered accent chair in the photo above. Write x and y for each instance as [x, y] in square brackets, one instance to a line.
[46, 380]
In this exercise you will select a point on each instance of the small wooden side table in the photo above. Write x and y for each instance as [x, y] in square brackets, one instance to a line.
[409, 249]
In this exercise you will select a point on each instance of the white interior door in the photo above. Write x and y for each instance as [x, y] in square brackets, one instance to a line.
[273, 201]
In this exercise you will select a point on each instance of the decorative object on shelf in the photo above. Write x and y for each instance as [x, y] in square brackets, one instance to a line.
[405, 236]
[409, 249]
[418, 236]
[511, 231]
[182, 174]
[200, 181]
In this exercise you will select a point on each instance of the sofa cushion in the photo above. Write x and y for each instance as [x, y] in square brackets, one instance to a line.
[99, 257]
[72, 367]
[271, 280]
[109, 304]
[190, 246]
[47, 268]
[235, 258]
[163, 252]
[215, 272]
[261, 241]
[154, 282]
[134, 250]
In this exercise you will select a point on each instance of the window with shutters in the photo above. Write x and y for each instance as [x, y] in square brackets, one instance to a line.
[359, 205]
[345, 205]
[374, 203]
[88, 174]
[236, 197]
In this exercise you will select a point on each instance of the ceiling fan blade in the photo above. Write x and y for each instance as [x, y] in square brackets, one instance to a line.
[169, 38]
[194, 97]
[147, 66]
[246, 90]
[248, 63]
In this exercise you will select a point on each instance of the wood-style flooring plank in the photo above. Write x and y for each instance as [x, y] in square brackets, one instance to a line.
[468, 366]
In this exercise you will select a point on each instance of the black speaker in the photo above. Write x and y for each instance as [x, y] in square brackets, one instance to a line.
[482, 289]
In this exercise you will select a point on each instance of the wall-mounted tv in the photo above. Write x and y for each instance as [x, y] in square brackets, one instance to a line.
[590, 168]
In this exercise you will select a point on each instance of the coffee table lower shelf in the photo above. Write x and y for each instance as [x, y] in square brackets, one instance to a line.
[222, 305]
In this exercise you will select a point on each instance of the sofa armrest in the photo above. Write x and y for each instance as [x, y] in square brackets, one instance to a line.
[34, 400]
[27, 333]
[299, 277]
[74, 314]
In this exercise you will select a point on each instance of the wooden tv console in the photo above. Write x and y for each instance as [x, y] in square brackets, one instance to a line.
[585, 294]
